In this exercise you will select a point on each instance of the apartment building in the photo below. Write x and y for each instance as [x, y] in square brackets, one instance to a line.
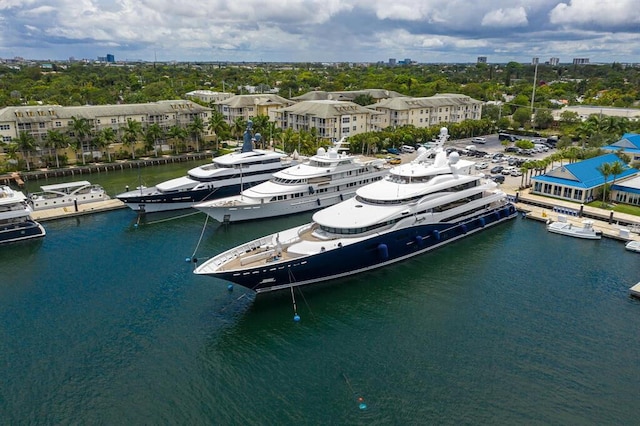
[37, 120]
[332, 119]
[347, 95]
[208, 96]
[426, 111]
[249, 106]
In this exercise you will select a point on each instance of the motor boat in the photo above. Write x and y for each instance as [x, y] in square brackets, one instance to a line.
[633, 246]
[322, 180]
[419, 206]
[16, 223]
[67, 194]
[563, 227]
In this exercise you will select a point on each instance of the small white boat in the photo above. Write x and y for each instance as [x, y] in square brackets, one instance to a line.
[633, 246]
[67, 194]
[563, 227]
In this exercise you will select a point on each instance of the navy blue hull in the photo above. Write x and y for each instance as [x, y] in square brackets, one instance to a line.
[192, 196]
[370, 254]
[21, 231]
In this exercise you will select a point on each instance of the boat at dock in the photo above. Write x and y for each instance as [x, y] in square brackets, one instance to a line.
[633, 246]
[586, 231]
[67, 194]
[321, 181]
[16, 223]
[225, 176]
[419, 206]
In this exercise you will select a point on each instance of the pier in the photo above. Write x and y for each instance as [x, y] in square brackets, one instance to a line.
[79, 210]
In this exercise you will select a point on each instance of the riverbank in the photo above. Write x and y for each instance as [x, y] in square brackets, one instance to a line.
[19, 178]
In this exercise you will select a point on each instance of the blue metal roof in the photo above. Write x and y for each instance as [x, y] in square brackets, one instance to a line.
[584, 174]
[630, 142]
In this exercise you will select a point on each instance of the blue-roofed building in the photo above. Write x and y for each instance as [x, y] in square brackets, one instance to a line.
[626, 192]
[580, 182]
[629, 144]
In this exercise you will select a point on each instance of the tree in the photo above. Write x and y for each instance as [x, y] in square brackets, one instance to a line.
[151, 136]
[179, 135]
[131, 132]
[82, 129]
[217, 126]
[105, 138]
[196, 127]
[238, 127]
[26, 144]
[55, 141]
[605, 171]
[543, 118]
[522, 116]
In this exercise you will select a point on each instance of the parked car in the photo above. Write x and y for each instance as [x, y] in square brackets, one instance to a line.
[393, 151]
[496, 170]
[481, 166]
[498, 178]
[394, 161]
[516, 172]
[479, 140]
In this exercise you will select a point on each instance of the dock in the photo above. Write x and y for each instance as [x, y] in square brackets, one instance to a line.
[81, 210]
[635, 290]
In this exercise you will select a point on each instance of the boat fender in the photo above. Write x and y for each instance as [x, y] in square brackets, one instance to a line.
[436, 234]
[383, 251]
[318, 201]
[497, 214]
[482, 222]
[419, 240]
[341, 197]
[464, 228]
[311, 190]
[512, 209]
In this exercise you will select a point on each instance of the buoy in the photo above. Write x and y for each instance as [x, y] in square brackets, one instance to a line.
[296, 318]
[362, 406]
[194, 260]
[230, 287]
[135, 225]
[187, 259]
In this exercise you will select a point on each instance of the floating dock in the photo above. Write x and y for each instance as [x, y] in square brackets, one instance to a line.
[635, 290]
[82, 209]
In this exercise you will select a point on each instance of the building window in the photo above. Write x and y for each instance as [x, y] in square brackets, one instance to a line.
[58, 124]
[114, 121]
[345, 130]
[6, 139]
[345, 120]
[355, 128]
[5, 127]
[41, 125]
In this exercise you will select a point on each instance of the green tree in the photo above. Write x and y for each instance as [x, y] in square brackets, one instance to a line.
[26, 144]
[179, 136]
[238, 127]
[605, 171]
[81, 129]
[56, 140]
[218, 126]
[152, 134]
[104, 140]
[195, 128]
[130, 137]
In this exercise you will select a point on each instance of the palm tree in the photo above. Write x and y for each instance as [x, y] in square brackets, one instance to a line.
[26, 143]
[260, 125]
[82, 129]
[105, 138]
[196, 127]
[179, 135]
[605, 171]
[217, 126]
[131, 132]
[55, 141]
[275, 133]
[151, 136]
[238, 127]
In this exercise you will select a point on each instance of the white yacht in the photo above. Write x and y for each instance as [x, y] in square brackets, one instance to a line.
[16, 223]
[67, 194]
[323, 180]
[418, 207]
[226, 175]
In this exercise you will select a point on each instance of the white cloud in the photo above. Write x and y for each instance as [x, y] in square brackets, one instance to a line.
[599, 12]
[512, 17]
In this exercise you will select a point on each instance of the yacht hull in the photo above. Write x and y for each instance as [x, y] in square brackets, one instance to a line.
[22, 231]
[159, 202]
[375, 252]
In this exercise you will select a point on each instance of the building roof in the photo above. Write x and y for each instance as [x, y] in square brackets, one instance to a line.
[327, 108]
[347, 95]
[630, 185]
[630, 142]
[584, 174]
[439, 100]
[244, 101]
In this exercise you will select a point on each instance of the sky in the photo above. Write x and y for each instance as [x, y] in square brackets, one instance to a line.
[425, 31]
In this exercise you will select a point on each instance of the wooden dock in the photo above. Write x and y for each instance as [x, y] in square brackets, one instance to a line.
[83, 209]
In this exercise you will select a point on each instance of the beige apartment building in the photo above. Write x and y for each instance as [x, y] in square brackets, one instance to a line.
[425, 112]
[37, 120]
[332, 119]
[249, 106]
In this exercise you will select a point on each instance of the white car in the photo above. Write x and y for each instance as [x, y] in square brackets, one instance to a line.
[479, 140]
[516, 172]
[481, 166]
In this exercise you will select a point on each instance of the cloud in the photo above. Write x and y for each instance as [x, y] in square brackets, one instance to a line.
[321, 30]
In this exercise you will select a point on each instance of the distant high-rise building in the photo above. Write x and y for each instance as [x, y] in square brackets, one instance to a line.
[392, 61]
[580, 61]
[111, 58]
[482, 59]
[535, 61]
[554, 61]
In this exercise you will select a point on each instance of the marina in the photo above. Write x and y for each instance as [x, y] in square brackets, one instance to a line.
[514, 323]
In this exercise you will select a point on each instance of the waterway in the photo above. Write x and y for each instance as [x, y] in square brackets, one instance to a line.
[103, 322]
